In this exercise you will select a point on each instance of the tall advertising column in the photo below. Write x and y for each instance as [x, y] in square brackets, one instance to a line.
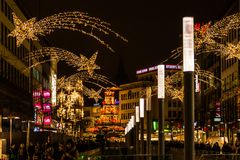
[137, 116]
[188, 69]
[142, 148]
[161, 96]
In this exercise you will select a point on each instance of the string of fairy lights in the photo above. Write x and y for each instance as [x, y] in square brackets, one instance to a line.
[208, 39]
[74, 21]
[70, 89]
[81, 62]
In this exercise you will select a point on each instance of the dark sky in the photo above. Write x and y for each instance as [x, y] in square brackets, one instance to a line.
[151, 26]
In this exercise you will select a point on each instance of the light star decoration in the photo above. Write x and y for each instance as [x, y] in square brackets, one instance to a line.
[74, 21]
[82, 63]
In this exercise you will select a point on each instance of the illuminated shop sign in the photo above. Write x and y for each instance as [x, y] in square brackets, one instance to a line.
[154, 68]
[36, 94]
[46, 107]
[47, 120]
[38, 106]
[46, 94]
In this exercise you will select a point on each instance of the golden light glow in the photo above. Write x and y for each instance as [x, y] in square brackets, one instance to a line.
[74, 21]
[82, 63]
[92, 94]
[74, 83]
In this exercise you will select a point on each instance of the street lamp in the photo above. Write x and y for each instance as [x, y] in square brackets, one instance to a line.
[10, 119]
[28, 131]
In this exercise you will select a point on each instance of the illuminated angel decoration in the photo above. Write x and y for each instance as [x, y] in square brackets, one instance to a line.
[74, 21]
[53, 53]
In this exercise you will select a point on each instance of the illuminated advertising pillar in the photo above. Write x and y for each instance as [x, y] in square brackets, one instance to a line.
[188, 69]
[142, 126]
[137, 116]
[161, 119]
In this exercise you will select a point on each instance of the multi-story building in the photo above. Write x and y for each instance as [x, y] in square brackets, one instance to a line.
[129, 96]
[131, 93]
[220, 109]
[18, 83]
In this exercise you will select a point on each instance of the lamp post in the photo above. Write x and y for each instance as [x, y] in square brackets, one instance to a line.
[188, 69]
[161, 119]
[137, 129]
[28, 131]
[142, 126]
[10, 121]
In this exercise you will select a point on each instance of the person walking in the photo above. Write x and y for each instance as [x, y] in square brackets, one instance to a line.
[13, 152]
[31, 150]
[70, 152]
[22, 152]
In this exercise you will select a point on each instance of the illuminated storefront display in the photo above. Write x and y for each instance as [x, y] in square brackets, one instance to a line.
[46, 94]
[46, 107]
[47, 120]
[42, 108]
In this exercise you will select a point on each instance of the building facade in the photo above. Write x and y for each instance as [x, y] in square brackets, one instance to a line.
[18, 83]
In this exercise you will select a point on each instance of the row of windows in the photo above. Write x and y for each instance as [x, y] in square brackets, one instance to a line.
[10, 42]
[231, 81]
[174, 103]
[126, 116]
[229, 109]
[127, 106]
[130, 95]
[10, 73]
[228, 63]
[6, 9]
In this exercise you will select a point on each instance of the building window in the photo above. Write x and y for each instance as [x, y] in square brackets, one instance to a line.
[169, 114]
[169, 103]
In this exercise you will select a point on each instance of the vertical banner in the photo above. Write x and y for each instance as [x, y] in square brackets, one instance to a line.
[197, 84]
[188, 44]
[161, 76]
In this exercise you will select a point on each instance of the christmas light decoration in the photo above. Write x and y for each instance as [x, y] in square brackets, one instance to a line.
[75, 21]
[52, 53]
[75, 82]
[175, 91]
[92, 94]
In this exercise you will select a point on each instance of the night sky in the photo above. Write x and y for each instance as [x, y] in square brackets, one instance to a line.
[153, 28]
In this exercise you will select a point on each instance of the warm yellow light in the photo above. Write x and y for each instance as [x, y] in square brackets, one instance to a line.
[75, 21]
[81, 62]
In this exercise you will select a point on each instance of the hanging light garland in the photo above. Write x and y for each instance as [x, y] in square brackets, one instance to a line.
[74, 21]
[81, 62]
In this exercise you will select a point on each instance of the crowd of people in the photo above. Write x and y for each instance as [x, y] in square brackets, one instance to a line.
[208, 148]
[70, 150]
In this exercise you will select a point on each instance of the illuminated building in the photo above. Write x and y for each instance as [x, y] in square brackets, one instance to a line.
[129, 96]
[17, 82]
[219, 110]
[131, 93]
